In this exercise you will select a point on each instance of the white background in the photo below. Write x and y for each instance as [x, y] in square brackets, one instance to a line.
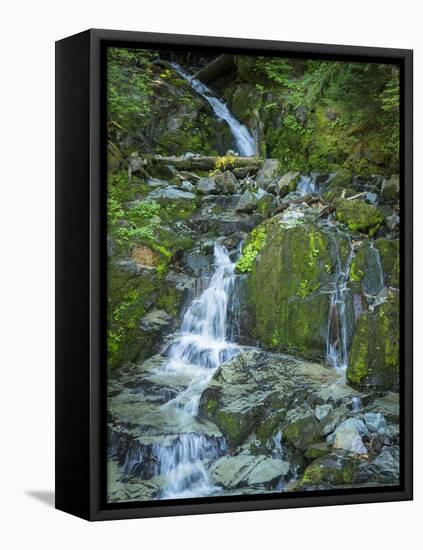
[28, 31]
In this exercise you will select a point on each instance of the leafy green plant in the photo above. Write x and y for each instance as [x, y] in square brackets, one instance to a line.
[256, 241]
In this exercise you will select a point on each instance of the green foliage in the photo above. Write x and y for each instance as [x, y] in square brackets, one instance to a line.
[224, 163]
[128, 89]
[324, 114]
[255, 243]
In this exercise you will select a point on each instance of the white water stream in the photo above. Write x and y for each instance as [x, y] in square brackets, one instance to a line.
[198, 351]
[243, 139]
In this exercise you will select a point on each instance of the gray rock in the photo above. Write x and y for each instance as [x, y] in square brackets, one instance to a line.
[348, 435]
[171, 193]
[187, 186]
[226, 182]
[374, 421]
[287, 183]
[390, 190]
[247, 470]
[207, 186]
[322, 411]
[371, 198]
[156, 320]
[247, 202]
[270, 170]
[388, 405]
[247, 390]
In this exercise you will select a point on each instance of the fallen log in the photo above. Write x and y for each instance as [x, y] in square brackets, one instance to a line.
[214, 69]
[204, 163]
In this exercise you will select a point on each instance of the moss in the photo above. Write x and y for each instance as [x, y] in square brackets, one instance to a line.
[317, 450]
[359, 216]
[356, 274]
[269, 426]
[302, 433]
[331, 470]
[389, 258]
[374, 356]
[287, 310]
[254, 243]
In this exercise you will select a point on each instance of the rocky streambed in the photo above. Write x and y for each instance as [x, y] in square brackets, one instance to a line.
[263, 330]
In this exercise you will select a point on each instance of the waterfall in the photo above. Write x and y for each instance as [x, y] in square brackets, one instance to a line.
[198, 351]
[375, 251]
[243, 139]
[337, 339]
[307, 185]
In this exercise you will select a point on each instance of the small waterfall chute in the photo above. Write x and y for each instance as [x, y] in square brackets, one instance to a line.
[200, 348]
[243, 139]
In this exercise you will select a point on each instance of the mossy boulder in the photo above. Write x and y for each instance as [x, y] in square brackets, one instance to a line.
[374, 355]
[286, 273]
[366, 269]
[390, 190]
[287, 183]
[331, 470]
[251, 393]
[302, 433]
[389, 258]
[359, 216]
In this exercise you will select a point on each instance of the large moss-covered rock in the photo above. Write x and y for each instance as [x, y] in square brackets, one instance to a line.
[374, 355]
[390, 190]
[389, 258]
[303, 432]
[250, 393]
[331, 470]
[293, 263]
[366, 269]
[359, 216]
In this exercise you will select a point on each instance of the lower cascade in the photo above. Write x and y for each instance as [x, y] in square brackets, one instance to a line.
[198, 351]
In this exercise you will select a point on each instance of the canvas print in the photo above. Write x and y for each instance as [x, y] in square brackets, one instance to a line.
[253, 275]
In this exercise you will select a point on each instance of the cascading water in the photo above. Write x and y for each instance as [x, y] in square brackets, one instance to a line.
[243, 139]
[198, 351]
[307, 185]
[337, 341]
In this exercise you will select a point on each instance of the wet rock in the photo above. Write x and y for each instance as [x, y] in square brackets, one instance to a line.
[374, 355]
[317, 450]
[359, 216]
[120, 488]
[247, 203]
[284, 290]
[374, 421]
[170, 193]
[366, 269]
[268, 173]
[287, 183]
[207, 186]
[157, 320]
[187, 186]
[348, 436]
[390, 190]
[226, 182]
[332, 420]
[302, 433]
[322, 411]
[332, 470]
[389, 257]
[249, 389]
[384, 470]
[388, 405]
[247, 470]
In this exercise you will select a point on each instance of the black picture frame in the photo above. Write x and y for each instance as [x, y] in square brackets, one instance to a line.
[80, 275]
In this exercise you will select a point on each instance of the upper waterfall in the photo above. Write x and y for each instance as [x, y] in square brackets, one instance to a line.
[243, 139]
